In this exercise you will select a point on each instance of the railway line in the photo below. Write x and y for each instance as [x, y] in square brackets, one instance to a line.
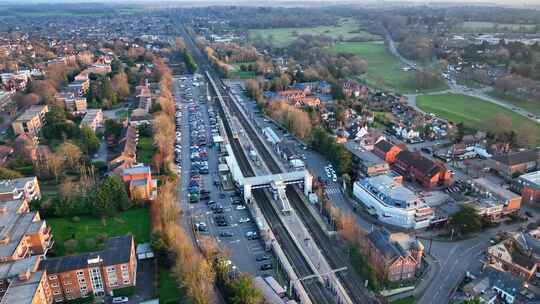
[314, 288]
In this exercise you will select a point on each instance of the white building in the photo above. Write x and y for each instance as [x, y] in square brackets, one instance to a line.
[393, 203]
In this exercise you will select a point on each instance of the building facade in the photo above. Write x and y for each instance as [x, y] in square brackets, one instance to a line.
[31, 121]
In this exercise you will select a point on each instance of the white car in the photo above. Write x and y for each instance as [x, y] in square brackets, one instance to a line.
[244, 220]
[120, 299]
[240, 207]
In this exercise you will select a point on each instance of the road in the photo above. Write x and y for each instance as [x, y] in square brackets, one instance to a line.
[454, 88]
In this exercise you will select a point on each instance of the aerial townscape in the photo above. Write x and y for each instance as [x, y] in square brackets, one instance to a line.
[270, 152]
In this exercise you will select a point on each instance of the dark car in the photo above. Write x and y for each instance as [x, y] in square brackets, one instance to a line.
[226, 234]
[263, 257]
[266, 266]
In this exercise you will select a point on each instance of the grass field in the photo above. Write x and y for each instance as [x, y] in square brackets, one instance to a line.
[135, 221]
[481, 26]
[533, 107]
[471, 111]
[168, 290]
[145, 150]
[282, 37]
[238, 74]
[384, 69]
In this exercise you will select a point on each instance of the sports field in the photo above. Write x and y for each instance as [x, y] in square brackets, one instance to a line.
[471, 111]
[281, 37]
[384, 69]
[237, 73]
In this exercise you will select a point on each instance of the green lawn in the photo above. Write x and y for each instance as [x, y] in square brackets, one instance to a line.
[135, 221]
[145, 150]
[533, 107]
[236, 73]
[168, 290]
[471, 111]
[384, 69]
[281, 37]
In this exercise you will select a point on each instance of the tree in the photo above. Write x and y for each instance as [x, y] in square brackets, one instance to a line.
[120, 85]
[107, 94]
[180, 44]
[111, 197]
[474, 300]
[45, 90]
[113, 128]
[6, 173]
[499, 125]
[244, 292]
[88, 141]
[70, 153]
[466, 220]
[526, 136]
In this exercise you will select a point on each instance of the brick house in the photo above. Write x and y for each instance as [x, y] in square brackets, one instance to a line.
[99, 273]
[386, 150]
[140, 183]
[31, 121]
[507, 256]
[395, 257]
[93, 119]
[418, 168]
[292, 96]
[128, 157]
[508, 165]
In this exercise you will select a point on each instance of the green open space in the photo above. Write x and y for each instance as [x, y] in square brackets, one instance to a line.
[384, 69]
[168, 289]
[145, 149]
[530, 106]
[482, 26]
[134, 221]
[473, 112]
[237, 73]
[281, 37]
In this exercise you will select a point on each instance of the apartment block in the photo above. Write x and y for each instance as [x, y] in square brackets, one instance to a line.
[93, 119]
[22, 282]
[22, 233]
[97, 273]
[20, 188]
[31, 121]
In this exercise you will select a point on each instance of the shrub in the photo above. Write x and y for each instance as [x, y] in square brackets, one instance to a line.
[90, 243]
[71, 245]
[101, 237]
[76, 219]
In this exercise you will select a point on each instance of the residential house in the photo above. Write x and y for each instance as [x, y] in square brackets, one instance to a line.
[93, 119]
[129, 142]
[20, 188]
[528, 185]
[145, 97]
[507, 256]
[97, 273]
[139, 182]
[492, 286]
[418, 168]
[79, 87]
[510, 164]
[386, 150]
[396, 257]
[31, 121]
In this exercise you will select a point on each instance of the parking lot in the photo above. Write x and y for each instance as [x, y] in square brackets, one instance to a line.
[211, 210]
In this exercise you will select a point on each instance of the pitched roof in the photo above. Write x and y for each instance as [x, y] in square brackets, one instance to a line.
[419, 162]
[516, 158]
[381, 241]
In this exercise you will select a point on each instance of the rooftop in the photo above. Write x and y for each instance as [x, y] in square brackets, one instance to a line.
[532, 179]
[10, 185]
[495, 189]
[31, 112]
[516, 158]
[90, 116]
[367, 157]
[390, 187]
[117, 251]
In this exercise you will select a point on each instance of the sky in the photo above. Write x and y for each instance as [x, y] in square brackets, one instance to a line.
[276, 2]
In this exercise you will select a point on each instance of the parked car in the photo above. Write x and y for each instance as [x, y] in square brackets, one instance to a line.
[244, 220]
[120, 299]
[263, 257]
[266, 266]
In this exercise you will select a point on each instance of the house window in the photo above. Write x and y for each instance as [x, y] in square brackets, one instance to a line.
[52, 277]
[56, 292]
[124, 267]
[126, 281]
[55, 285]
[68, 290]
[111, 269]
